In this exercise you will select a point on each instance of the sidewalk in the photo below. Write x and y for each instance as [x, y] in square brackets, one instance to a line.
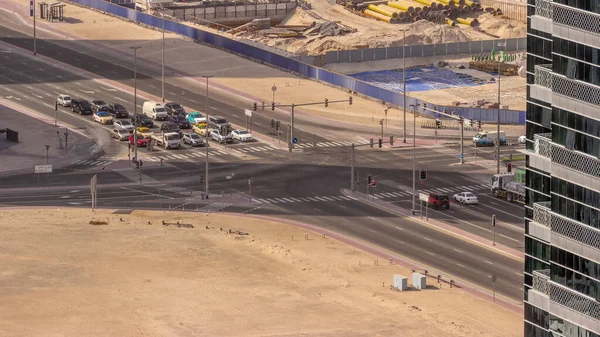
[35, 132]
[237, 76]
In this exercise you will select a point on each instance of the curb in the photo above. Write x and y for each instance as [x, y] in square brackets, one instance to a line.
[458, 233]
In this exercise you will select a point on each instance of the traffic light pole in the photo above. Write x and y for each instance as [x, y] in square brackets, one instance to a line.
[462, 134]
[352, 167]
[292, 126]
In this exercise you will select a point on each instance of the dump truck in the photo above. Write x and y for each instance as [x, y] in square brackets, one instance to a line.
[509, 186]
[170, 140]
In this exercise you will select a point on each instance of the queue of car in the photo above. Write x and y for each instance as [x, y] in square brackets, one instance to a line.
[176, 119]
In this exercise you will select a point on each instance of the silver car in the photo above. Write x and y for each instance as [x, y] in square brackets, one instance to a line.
[193, 139]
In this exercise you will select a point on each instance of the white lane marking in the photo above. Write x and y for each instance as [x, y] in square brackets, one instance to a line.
[508, 237]
[370, 217]
[212, 107]
[430, 253]
[460, 265]
[36, 95]
[29, 87]
[488, 262]
[426, 238]
[109, 89]
[151, 86]
[399, 228]
[191, 100]
[456, 250]
[120, 99]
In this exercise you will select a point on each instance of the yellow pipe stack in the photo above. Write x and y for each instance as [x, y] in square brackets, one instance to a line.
[450, 22]
[379, 16]
[401, 14]
[401, 6]
[385, 12]
[468, 21]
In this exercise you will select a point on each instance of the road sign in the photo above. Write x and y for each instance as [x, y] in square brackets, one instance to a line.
[424, 197]
[43, 169]
[274, 88]
[248, 112]
[182, 92]
[295, 140]
[460, 156]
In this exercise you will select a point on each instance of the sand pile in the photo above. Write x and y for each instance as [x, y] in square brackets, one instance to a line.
[504, 28]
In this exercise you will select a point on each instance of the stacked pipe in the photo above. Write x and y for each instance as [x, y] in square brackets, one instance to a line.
[448, 12]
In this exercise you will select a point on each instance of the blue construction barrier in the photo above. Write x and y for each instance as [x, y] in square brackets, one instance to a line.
[295, 66]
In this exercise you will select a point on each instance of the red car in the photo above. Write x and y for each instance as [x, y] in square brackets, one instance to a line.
[438, 201]
[141, 141]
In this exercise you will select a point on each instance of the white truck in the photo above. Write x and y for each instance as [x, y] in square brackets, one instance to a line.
[154, 110]
[170, 140]
[504, 185]
[486, 138]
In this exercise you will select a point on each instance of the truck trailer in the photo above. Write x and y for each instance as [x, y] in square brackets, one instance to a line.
[505, 185]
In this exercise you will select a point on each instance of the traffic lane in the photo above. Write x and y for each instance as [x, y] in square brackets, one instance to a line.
[419, 243]
[151, 85]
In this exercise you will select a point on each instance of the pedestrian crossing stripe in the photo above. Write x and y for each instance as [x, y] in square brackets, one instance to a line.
[324, 144]
[192, 155]
[444, 190]
[91, 162]
[255, 149]
[302, 199]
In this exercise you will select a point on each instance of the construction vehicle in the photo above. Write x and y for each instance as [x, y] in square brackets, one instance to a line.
[509, 186]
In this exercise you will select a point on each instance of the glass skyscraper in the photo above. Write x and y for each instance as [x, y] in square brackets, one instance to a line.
[562, 222]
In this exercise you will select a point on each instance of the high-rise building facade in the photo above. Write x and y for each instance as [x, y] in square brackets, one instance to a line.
[562, 226]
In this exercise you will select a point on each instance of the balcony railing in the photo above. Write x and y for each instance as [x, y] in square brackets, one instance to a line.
[543, 75]
[575, 230]
[543, 144]
[540, 280]
[576, 18]
[575, 160]
[543, 8]
[541, 213]
[574, 300]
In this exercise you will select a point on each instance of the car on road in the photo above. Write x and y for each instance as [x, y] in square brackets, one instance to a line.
[438, 200]
[99, 105]
[241, 135]
[466, 198]
[141, 141]
[142, 120]
[120, 134]
[124, 124]
[217, 136]
[117, 110]
[170, 127]
[144, 132]
[200, 129]
[193, 139]
[195, 117]
[81, 106]
[522, 139]
[181, 121]
[175, 109]
[217, 122]
[102, 117]
[64, 100]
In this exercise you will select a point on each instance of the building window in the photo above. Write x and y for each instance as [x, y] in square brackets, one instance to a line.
[575, 262]
[536, 315]
[532, 264]
[537, 248]
[535, 331]
[587, 5]
[575, 281]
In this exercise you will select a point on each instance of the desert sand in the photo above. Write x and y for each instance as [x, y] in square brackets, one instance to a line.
[132, 276]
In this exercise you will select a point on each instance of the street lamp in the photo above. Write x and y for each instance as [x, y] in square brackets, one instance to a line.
[500, 44]
[414, 180]
[32, 12]
[47, 149]
[206, 134]
[135, 118]
[162, 11]
[404, 79]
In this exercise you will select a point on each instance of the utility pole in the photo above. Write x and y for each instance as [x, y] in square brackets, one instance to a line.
[47, 149]
[135, 102]
[34, 30]
[500, 44]
[163, 52]
[414, 175]
[404, 80]
[462, 129]
[381, 122]
[352, 167]
[206, 138]
[292, 129]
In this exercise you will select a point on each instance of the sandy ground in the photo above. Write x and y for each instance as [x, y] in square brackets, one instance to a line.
[62, 276]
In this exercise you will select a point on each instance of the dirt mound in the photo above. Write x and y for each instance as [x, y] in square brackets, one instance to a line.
[504, 28]
[426, 32]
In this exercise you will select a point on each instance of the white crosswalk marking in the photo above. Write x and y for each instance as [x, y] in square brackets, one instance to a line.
[312, 199]
[264, 201]
[288, 200]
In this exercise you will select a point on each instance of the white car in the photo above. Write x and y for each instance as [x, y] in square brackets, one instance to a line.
[217, 136]
[241, 135]
[193, 139]
[64, 100]
[466, 198]
[102, 117]
[124, 124]
[522, 140]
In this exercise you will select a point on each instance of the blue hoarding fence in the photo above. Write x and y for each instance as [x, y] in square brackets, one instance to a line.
[300, 68]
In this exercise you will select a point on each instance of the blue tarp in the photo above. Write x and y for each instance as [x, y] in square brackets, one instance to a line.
[418, 79]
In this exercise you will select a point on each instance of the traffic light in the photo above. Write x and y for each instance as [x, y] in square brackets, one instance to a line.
[423, 175]
[494, 220]
[273, 106]
[380, 142]
[201, 179]
[438, 123]
[255, 106]
[326, 102]
[371, 142]
[350, 100]
[55, 105]
[424, 106]
[471, 123]
[369, 179]
[435, 108]
[509, 167]
[392, 140]
[138, 164]
[445, 111]
[479, 124]
[277, 125]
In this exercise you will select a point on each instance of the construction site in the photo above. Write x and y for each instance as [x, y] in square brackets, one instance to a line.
[314, 27]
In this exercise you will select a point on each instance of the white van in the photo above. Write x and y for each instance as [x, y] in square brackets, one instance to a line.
[154, 110]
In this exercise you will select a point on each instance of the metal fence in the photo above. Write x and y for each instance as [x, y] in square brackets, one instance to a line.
[426, 50]
[516, 10]
[297, 67]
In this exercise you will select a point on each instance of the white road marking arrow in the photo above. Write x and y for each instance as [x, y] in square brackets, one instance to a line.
[109, 89]
[38, 96]
[87, 91]
[13, 97]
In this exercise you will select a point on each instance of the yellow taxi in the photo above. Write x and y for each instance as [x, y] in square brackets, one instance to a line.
[144, 132]
[200, 128]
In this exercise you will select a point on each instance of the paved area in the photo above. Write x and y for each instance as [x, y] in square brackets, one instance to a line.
[34, 135]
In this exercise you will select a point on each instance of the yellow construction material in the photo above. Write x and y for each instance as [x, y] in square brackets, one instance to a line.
[379, 16]
[383, 11]
[400, 6]
[468, 21]
[450, 22]
[401, 14]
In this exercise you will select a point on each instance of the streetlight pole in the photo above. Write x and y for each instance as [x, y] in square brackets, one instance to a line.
[414, 168]
[135, 101]
[47, 149]
[404, 80]
[500, 44]
[34, 30]
[206, 137]
[163, 52]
